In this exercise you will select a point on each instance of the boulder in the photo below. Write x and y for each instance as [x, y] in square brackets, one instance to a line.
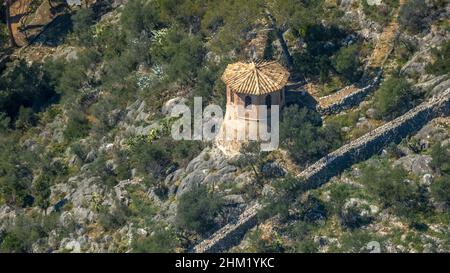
[417, 164]
[371, 113]
[170, 104]
[272, 170]
[356, 213]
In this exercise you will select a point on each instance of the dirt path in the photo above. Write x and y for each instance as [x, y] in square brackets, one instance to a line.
[380, 53]
[385, 42]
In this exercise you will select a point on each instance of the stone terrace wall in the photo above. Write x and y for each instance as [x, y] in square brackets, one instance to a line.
[350, 100]
[337, 161]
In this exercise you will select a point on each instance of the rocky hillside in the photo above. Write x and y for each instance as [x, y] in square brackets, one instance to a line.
[88, 164]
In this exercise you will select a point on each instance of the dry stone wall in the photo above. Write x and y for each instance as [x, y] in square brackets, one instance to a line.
[351, 100]
[337, 161]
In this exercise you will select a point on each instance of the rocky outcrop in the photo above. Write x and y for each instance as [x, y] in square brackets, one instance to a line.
[417, 63]
[337, 161]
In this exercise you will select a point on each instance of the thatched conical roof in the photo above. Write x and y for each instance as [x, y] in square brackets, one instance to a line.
[255, 78]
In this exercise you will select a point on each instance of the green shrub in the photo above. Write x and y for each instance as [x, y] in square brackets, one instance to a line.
[394, 97]
[16, 172]
[26, 118]
[394, 189]
[347, 62]
[197, 210]
[140, 15]
[160, 241]
[4, 38]
[354, 217]
[67, 78]
[412, 15]
[181, 54]
[441, 64]
[260, 245]
[380, 13]
[357, 241]
[27, 229]
[4, 122]
[77, 126]
[41, 191]
[208, 80]
[322, 43]
[149, 158]
[23, 85]
[441, 158]
[313, 210]
[301, 233]
[440, 189]
[115, 218]
[184, 151]
[304, 137]
[82, 21]
[339, 194]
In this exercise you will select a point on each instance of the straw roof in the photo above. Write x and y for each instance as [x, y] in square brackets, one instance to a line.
[255, 78]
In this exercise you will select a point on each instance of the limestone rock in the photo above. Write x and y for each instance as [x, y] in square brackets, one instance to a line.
[418, 164]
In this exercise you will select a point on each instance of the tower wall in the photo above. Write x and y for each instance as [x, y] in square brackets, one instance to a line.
[239, 120]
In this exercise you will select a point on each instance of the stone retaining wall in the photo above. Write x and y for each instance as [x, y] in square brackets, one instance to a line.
[337, 161]
[351, 100]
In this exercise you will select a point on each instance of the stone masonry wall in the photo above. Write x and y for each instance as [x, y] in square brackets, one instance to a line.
[337, 161]
[352, 99]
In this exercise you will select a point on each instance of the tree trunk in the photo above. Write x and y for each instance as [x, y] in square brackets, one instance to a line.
[12, 41]
[284, 47]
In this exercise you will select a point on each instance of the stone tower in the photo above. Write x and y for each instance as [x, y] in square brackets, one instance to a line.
[253, 89]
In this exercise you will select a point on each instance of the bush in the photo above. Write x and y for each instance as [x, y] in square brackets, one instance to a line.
[313, 210]
[4, 38]
[440, 189]
[303, 136]
[140, 15]
[322, 43]
[4, 122]
[380, 13]
[77, 126]
[197, 210]
[393, 98]
[355, 216]
[149, 158]
[26, 118]
[301, 233]
[16, 172]
[208, 81]
[412, 15]
[347, 62]
[115, 218]
[66, 78]
[260, 245]
[441, 158]
[82, 21]
[358, 241]
[26, 230]
[41, 191]
[441, 63]
[393, 188]
[160, 241]
[183, 151]
[23, 85]
[181, 54]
